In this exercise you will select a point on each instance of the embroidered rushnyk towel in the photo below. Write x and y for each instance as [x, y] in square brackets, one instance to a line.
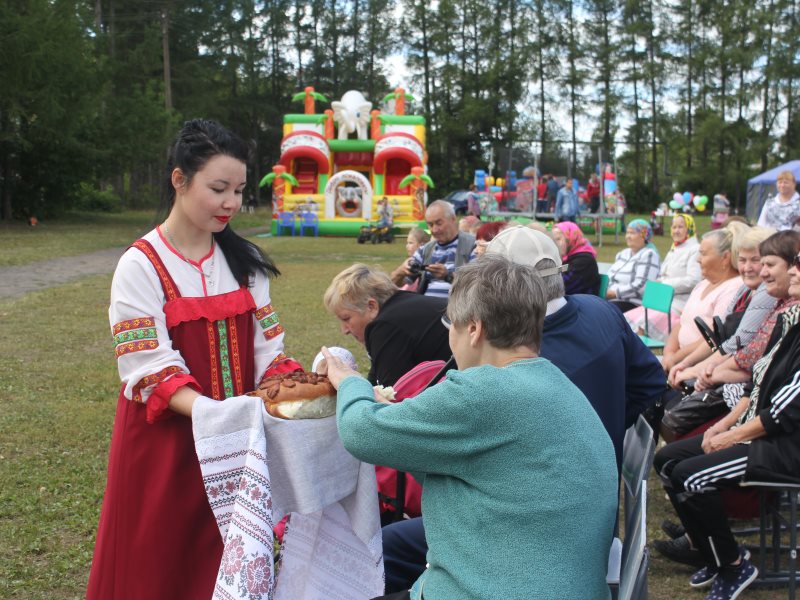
[256, 469]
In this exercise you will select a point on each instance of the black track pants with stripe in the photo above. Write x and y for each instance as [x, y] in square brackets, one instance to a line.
[692, 480]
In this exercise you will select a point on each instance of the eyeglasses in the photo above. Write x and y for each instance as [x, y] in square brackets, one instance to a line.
[446, 322]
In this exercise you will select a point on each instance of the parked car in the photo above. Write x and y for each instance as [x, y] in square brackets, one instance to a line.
[459, 201]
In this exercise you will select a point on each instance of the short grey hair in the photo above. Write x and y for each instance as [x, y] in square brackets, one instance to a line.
[448, 209]
[723, 242]
[553, 284]
[507, 298]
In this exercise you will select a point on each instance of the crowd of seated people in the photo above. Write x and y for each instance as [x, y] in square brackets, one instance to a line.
[735, 330]
[755, 439]
[679, 269]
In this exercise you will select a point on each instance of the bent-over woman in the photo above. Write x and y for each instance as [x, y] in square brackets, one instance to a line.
[505, 422]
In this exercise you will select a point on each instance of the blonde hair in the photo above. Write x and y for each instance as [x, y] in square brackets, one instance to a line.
[353, 287]
[788, 175]
[752, 238]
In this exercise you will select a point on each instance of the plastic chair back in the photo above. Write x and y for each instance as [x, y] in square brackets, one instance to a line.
[286, 219]
[603, 285]
[657, 296]
[309, 220]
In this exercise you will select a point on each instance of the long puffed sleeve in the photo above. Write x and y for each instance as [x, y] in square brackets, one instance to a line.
[145, 356]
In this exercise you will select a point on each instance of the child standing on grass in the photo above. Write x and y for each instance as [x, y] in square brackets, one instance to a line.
[191, 315]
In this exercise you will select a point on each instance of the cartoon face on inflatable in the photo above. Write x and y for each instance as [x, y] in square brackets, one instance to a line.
[351, 113]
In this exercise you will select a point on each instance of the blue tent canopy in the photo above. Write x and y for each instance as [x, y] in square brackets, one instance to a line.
[762, 187]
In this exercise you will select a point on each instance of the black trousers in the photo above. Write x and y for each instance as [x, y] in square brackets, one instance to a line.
[693, 480]
[404, 551]
[397, 596]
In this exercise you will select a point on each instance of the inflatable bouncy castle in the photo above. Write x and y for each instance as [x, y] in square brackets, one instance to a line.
[341, 163]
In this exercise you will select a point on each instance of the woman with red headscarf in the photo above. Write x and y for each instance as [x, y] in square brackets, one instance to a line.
[582, 276]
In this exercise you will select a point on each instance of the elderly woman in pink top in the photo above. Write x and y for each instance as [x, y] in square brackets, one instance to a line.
[582, 276]
[710, 298]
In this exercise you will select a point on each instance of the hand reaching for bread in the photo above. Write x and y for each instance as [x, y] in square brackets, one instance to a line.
[335, 368]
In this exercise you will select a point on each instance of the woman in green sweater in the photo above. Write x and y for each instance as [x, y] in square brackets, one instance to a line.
[519, 476]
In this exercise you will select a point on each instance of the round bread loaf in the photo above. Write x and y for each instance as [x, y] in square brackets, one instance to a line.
[297, 396]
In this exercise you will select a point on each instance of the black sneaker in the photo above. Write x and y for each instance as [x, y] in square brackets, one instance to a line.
[732, 581]
[680, 551]
[705, 576]
[673, 530]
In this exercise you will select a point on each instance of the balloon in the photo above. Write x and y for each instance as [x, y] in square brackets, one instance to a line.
[703, 200]
[489, 180]
[499, 181]
[687, 197]
[677, 197]
[674, 204]
[697, 201]
[610, 186]
[701, 208]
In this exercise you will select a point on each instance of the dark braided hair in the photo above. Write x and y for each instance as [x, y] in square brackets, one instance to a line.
[199, 141]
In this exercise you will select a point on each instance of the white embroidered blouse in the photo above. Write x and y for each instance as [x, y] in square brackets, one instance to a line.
[138, 323]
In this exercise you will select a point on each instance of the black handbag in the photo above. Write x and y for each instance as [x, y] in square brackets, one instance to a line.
[693, 410]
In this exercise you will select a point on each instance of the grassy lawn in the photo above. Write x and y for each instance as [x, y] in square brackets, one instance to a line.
[78, 233]
[58, 386]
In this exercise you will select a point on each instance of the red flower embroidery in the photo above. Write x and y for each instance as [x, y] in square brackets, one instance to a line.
[232, 556]
[256, 494]
[230, 487]
[258, 572]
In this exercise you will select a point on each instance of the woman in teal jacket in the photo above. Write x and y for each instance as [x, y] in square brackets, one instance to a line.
[519, 475]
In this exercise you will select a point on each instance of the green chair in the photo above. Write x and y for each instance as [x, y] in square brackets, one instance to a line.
[657, 296]
[603, 285]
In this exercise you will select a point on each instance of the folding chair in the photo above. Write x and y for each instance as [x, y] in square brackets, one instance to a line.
[603, 285]
[775, 498]
[309, 220]
[631, 560]
[638, 450]
[657, 296]
[286, 220]
[633, 574]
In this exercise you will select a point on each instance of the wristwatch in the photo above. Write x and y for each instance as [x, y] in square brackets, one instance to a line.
[448, 278]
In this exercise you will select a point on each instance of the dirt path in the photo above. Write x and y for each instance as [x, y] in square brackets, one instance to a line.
[18, 281]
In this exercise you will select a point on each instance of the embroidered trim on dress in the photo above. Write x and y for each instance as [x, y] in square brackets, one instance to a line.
[224, 358]
[212, 362]
[153, 379]
[134, 324]
[268, 319]
[135, 335]
[233, 335]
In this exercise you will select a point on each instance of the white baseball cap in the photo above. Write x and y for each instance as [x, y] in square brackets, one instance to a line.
[527, 246]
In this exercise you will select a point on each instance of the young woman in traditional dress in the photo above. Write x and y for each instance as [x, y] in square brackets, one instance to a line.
[191, 315]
